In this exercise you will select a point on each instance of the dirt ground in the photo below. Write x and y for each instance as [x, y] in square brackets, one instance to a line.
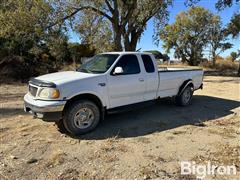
[145, 143]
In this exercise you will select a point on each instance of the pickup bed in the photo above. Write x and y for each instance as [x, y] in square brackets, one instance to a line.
[77, 100]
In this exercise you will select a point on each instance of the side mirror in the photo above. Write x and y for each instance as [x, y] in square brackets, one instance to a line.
[118, 70]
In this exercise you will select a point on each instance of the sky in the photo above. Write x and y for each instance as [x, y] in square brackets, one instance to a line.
[146, 41]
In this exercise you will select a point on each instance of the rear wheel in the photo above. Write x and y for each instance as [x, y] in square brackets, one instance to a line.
[185, 97]
[81, 117]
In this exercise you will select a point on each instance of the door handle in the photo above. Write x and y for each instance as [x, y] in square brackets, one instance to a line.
[141, 79]
[102, 84]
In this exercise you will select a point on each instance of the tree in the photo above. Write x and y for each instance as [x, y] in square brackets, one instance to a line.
[217, 38]
[23, 23]
[234, 26]
[27, 40]
[188, 35]
[95, 31]
[80, 50]
[221, 4]
[234, 56]
[128, 18]
[159, 55]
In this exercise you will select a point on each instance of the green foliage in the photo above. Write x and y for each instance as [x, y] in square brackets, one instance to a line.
[234, 25]
[114, 25]
[217, 38]
[221, 4]
[192, 32]
[80, 50]
[188, 35]
[159, 55]
[23, 23]
[28, 39]
[234, 56]
[95, 31]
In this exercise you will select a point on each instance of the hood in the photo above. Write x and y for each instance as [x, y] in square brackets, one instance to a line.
[64, 77]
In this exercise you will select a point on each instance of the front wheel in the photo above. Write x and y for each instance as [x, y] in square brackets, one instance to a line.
[81, 117]
[185, 97]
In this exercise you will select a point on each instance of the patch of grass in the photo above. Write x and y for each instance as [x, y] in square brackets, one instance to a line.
[110, 144]
[225, 155]
[170, 137]
[72, 174]
[179, 132]
[107, 157]
[143, 140]
[151, 171]
[123, 148]
[154, 158]
[228, 132]
[107, 151]
[200, 124]
[222, 65]
[227, 127]
[56, 158]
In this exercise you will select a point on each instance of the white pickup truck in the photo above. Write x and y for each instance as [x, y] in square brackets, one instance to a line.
[77, 100]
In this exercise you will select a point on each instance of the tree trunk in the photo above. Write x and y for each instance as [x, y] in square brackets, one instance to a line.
[117, 38]
[213, 58]
[191, 60]
[117, 42]
[132, 44]
[239, 69]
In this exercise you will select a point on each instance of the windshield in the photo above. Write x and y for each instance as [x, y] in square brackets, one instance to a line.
[99, 63]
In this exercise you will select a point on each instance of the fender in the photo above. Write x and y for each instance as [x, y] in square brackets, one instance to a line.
[82, 93]
[184, 85]
[93, 97]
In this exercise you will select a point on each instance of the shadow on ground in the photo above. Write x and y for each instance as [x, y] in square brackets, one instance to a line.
[8, 112]
[160, 116]
[152, 117]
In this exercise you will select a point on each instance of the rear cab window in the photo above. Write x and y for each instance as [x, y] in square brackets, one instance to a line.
[148, 63]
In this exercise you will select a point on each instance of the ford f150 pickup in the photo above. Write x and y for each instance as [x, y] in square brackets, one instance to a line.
[77, 100]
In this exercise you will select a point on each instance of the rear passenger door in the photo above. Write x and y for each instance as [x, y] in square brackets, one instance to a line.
[151, 77]
[128, 87]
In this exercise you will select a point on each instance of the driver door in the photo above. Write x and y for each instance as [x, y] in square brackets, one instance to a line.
[127, 87]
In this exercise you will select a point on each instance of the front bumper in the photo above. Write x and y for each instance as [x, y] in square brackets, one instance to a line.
[47, 110]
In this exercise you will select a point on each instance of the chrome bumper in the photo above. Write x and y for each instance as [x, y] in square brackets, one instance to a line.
[49, 108]
[46, 110]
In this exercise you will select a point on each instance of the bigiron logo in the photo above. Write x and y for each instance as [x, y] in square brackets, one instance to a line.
[201, 171]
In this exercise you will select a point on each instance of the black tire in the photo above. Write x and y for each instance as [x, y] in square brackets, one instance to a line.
[185, 97]
[61, 127]
[76, 127]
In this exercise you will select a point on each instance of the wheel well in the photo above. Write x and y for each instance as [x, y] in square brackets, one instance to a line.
[185, 84]
[90, 97]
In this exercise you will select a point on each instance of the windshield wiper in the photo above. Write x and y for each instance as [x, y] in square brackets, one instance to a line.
[98, 72]
[84, 70]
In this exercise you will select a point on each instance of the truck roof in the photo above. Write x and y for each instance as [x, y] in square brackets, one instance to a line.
[126, 52]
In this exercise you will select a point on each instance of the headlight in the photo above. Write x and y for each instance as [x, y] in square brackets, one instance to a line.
[49, 93]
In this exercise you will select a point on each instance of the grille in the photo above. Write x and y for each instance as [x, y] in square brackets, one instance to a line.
[32, 90]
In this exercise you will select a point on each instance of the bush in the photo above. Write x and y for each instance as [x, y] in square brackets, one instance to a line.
[222, 65]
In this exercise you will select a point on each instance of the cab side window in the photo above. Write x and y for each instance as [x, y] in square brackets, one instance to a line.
[129, 64]
[148, 63]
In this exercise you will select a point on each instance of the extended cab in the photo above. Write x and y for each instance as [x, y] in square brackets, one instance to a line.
[77, 100]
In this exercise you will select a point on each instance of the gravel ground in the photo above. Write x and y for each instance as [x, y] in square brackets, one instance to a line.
[145, 143]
